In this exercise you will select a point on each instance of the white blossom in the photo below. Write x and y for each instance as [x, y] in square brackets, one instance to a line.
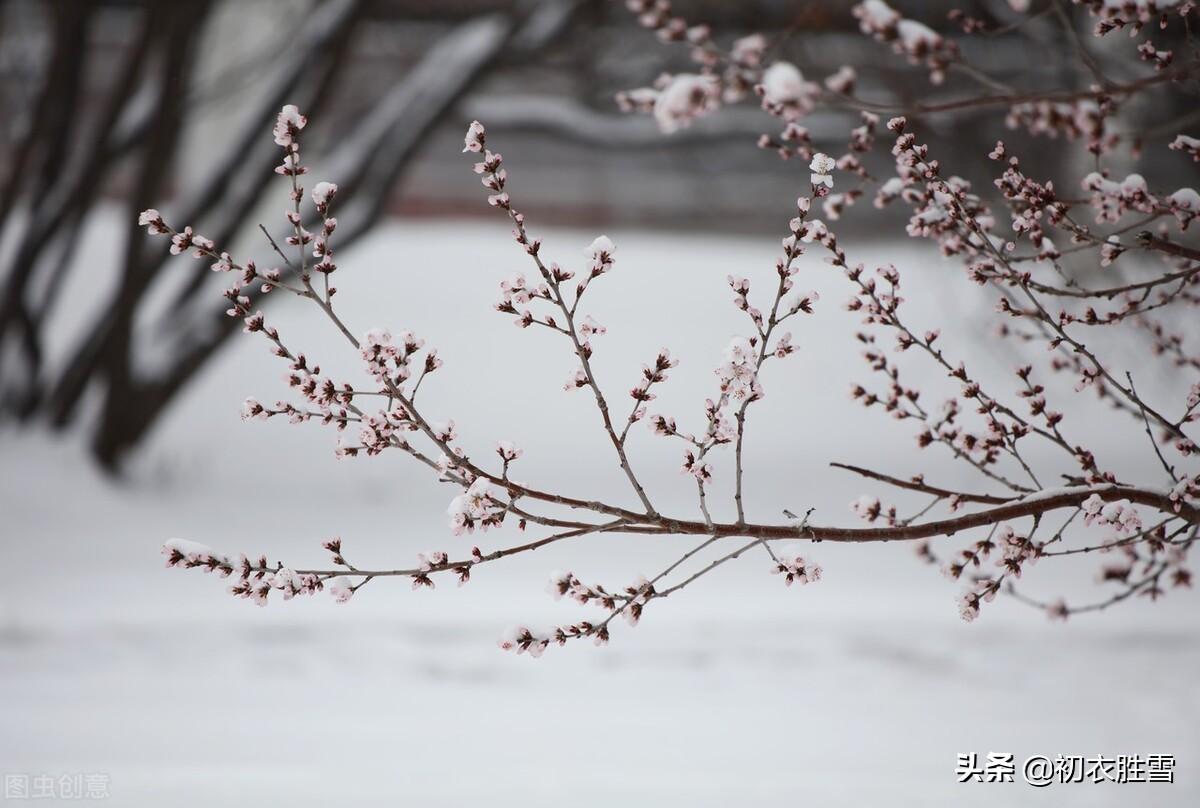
[476, 507]
[738, 373]
[820, 167]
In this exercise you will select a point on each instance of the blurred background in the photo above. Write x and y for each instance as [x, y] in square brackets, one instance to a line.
[121, 382]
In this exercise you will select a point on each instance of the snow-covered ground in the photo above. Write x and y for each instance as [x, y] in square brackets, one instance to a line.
[859, 689]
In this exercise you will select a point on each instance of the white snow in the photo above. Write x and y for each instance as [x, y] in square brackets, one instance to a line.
[915, 34]
[877, 15]
[188, 548]
[783, 83]
[1186, 198]
[600, 244]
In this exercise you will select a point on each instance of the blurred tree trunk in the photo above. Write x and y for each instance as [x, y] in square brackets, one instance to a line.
[36, 165]
[61, 165]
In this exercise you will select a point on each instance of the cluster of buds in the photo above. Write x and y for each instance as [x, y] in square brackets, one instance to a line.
[522, 640]
[254, 580]
[1035, 396]
[663, 425]
[843, 81]
[257, 579]
[1030, 201]
[590, 328]
[944, 210]
[575, 381]
[683, 98]
[786, 95]
[376, 432]
[1161, 59]
[1186, 488]
[493, 175]
[565, 584]
[727, 75]
[601, 255]
[785, 92]
[428, 562]
[629, 601]
[1085, 119]
[1114, 15]
[793, 567]
[1016, 550]
[1119, 514]
[738, 374]
[983, 591]
[862, 140]
[878, 300]
[182, 241]
[515, 292]
[870, 509]
[693, 464]
[651, 375]
[793, 141]
[1111, 199]
[914, 40]
[721, 428]
[971, 557]
[658, 16]
[479, 506]
[201, 247]
[389, 360]
[322, 196]
[508, 452]
[288, 126]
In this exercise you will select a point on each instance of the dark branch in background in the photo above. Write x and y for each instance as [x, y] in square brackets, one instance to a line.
[34, 170]
[369, 163]
[370, 159]
[107, 347]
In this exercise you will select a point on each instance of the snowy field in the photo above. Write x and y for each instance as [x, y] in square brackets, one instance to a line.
[857, 690]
